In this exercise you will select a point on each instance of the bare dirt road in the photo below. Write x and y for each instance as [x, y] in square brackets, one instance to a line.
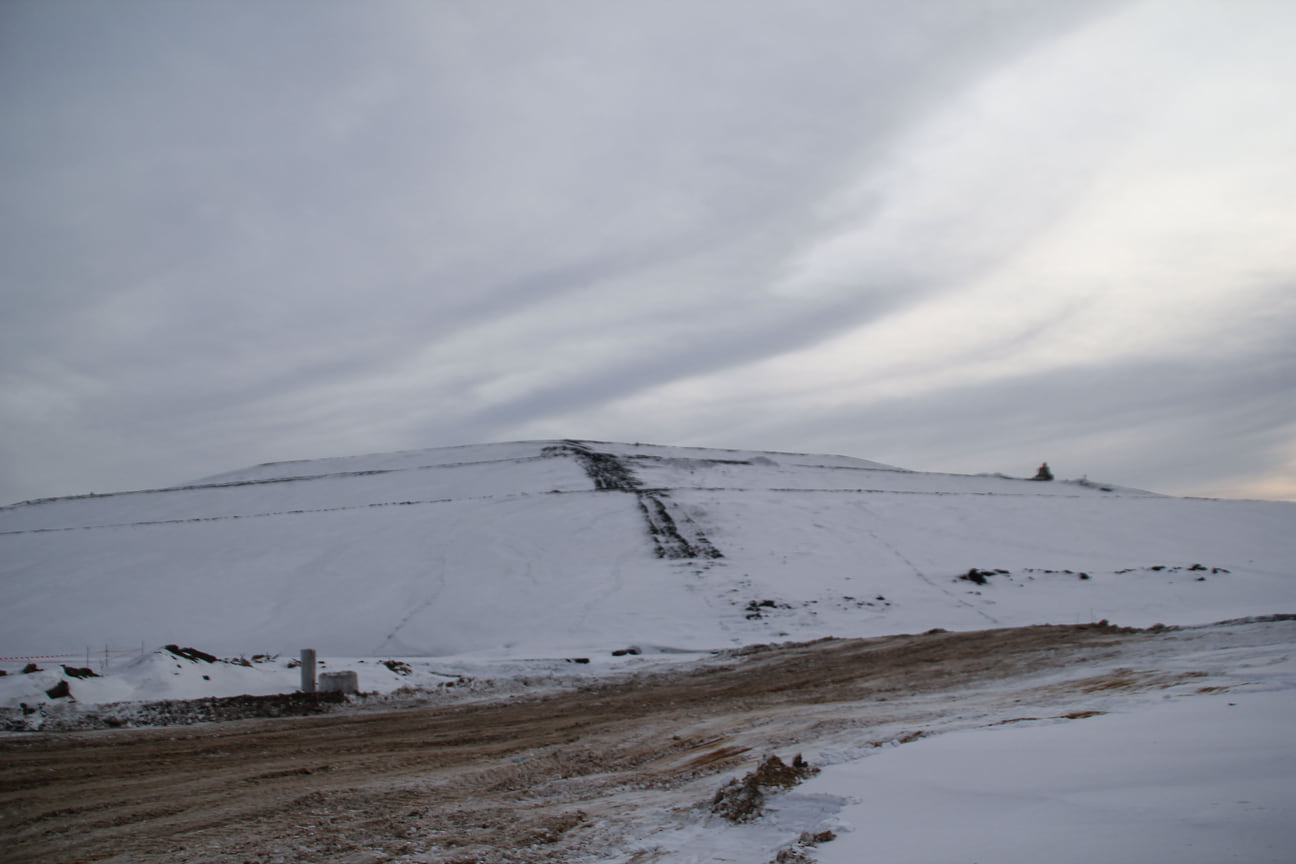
[559, 777]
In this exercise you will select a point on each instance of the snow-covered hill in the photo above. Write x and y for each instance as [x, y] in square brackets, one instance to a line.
[557, 548]
[502, 563]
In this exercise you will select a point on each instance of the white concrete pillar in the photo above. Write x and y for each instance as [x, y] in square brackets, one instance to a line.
[308, 670]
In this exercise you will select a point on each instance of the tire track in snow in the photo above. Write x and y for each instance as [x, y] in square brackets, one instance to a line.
[392, 642]
[917, 571]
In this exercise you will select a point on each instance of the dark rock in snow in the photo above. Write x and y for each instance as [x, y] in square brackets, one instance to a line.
[193, 654]
[976, 576]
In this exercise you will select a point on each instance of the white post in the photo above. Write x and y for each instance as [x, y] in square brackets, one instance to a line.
[308, 670]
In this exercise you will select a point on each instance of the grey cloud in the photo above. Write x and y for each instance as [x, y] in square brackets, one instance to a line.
[217, 208]
[1170, 424]
[738, 338]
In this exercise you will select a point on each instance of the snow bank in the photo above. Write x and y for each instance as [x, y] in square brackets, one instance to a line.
[1189, 780]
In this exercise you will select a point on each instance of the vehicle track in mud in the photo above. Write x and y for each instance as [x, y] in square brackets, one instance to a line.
[546, 778]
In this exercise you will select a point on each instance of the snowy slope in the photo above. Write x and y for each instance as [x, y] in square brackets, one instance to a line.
[556, 548]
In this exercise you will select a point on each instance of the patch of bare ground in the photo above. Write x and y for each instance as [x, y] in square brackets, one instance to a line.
[522, 780]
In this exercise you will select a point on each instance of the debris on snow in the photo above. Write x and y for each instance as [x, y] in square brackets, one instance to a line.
[744, 800]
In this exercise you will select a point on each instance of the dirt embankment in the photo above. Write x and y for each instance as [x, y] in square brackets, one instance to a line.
[539, 779]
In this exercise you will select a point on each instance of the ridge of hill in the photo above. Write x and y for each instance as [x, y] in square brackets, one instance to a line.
[550, 548]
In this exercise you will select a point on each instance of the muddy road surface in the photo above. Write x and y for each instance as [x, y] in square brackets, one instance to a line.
[559, 777]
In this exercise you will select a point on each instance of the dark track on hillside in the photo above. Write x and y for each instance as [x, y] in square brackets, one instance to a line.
[666, 528]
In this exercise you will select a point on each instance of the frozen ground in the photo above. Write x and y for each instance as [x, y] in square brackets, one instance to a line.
[1199, 770]
[1060, 742]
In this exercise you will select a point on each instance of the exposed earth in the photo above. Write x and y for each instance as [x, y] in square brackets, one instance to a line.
[581, 774]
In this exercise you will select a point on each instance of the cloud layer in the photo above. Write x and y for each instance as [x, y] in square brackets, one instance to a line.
[949, 236]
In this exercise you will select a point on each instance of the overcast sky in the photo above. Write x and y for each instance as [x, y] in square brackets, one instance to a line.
[966, 235]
